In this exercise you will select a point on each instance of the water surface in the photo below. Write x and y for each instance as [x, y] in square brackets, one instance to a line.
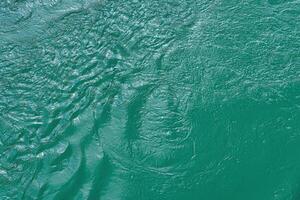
[144, 100]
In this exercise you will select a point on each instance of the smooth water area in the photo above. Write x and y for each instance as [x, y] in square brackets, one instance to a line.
[150, 100]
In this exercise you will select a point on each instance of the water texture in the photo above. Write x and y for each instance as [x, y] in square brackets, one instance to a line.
[150, 100]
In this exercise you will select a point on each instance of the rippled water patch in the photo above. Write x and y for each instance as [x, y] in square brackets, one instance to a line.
[149, 99]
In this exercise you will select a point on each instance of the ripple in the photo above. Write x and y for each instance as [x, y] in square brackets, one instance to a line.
[148, 100]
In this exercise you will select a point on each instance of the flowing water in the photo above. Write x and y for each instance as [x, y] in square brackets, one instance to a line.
[150, 100]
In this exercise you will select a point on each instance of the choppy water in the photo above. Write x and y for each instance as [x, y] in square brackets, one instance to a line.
[148, 100]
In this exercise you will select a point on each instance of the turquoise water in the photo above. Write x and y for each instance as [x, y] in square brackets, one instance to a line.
[150, 100]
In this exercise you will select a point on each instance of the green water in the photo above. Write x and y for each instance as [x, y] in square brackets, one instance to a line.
[150, 100]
